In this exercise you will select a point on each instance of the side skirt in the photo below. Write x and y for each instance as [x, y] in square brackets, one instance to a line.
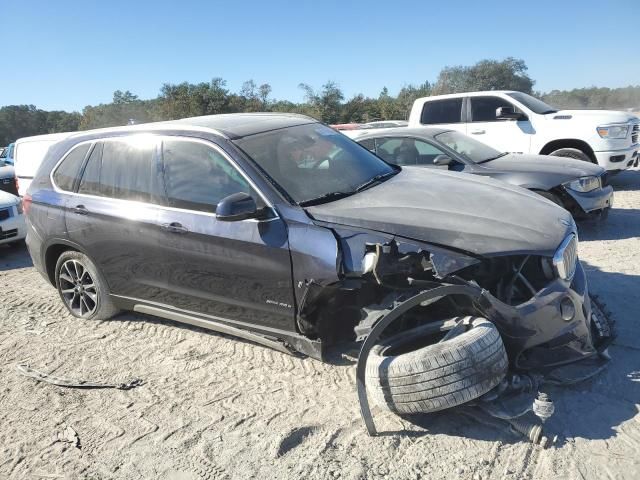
[280, 340]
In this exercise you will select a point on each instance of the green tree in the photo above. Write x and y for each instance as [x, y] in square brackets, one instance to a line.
[508, 74]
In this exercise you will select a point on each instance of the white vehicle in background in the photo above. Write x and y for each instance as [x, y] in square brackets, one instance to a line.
[12, 225]
[384, 124]
[28, 154]
[367, 127]
[515, 122]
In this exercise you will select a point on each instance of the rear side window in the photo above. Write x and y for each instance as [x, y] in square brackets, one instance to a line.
[197, 176]
[65, 175]
[483, 109]
[442, 111]
[123, 169]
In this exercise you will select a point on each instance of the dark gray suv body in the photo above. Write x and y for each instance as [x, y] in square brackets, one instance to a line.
[276, 228]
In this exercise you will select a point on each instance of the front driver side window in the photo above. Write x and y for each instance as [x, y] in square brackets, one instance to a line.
[407, 151]
[197, 176]
[483, 109]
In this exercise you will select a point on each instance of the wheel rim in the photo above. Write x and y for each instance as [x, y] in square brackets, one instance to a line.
[78, 288]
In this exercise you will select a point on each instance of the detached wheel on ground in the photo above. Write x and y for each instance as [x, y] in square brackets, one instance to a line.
[408, 378]
[572, 153]
[82, 288]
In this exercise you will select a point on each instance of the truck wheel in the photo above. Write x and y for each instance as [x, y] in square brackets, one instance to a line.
[572, 153]
[406, 378]
[81, 287]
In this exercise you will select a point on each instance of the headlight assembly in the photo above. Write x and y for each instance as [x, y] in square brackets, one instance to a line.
[19, 207]
[584, 184]
[613, 131]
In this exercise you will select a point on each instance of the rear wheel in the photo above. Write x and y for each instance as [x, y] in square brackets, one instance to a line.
[408, 378]
[82, 288]
[572, 153]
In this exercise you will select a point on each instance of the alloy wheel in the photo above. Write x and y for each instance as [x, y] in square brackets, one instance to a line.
[78, 288]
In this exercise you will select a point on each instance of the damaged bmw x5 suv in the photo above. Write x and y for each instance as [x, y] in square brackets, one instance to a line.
[277, 229]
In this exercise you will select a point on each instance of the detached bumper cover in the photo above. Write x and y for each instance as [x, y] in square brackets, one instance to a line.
[536, 336]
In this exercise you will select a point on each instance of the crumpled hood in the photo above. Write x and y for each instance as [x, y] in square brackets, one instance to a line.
[543, 170]
[468, 212]
[601, 116]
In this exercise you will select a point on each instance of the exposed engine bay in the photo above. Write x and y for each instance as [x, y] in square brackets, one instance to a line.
[539, 304]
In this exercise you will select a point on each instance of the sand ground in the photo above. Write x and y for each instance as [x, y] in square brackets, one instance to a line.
[215, 407]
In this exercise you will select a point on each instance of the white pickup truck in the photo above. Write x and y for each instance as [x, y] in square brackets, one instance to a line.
[519, 123]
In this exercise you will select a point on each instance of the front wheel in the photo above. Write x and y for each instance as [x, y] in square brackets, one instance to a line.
[572, 153]
[406, 376]
[82, 288]
[550, 196]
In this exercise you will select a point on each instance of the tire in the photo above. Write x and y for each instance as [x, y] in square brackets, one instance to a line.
[572, 153]
[437, 376]
[550, 196]
[88, 298]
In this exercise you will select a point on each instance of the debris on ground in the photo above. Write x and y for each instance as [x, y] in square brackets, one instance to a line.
[68, 435]
[27, 371]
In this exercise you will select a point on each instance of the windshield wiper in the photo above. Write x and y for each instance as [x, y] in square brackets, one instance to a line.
[327, 197]
[549, 111]
[493, 158]
[374, 180]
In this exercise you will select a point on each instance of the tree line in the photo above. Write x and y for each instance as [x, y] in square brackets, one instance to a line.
[327, 103]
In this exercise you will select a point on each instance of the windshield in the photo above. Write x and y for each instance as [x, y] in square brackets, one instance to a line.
[538, 106]
[469, 148]
[314, 163]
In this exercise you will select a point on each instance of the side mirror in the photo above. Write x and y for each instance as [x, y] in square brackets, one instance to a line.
[238, 206]
[509, 113]
[442, 160]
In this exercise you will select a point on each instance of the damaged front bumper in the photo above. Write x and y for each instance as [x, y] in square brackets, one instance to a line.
[555, 327]
[594, 203]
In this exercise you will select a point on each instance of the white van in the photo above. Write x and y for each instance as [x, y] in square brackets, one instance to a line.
[28, 155]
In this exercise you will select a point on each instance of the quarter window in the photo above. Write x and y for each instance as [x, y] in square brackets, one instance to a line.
[197, 176]
[65, 175]
[123, 169]
[442, 111]
[483, 109]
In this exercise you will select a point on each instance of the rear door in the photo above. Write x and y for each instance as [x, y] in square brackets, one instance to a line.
[446, 113]
[114, 216]
[504, 135]
[234, 270]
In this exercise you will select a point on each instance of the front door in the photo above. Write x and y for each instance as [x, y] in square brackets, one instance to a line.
[239, 271]
[512, 136]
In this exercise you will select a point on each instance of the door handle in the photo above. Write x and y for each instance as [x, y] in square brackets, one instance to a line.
[478, 132]
[174, 227]
[80, 210]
